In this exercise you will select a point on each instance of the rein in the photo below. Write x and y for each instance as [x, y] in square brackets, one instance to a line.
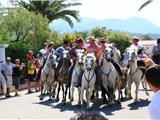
[106, 73]
[88, 77]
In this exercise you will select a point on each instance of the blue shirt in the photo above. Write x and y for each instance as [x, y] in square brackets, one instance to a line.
[60, 50]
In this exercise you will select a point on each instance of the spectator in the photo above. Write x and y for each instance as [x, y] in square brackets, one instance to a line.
[17, 71]
[37, 75]
[88, 116]
[7, 71]
[2, 80]
[156, 52]
[43, 50]
[30, 70]
[153, 80]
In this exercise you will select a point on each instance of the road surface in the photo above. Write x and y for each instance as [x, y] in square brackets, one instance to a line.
[28, 106]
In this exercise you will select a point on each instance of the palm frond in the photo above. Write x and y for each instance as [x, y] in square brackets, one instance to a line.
[145, 4]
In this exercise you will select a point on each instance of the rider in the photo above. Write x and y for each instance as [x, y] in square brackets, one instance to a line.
[59, 53]
[95, 48]
[156, 52]
[142, 57]
[78, 46]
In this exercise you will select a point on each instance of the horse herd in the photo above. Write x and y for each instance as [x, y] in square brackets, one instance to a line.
[84, 77]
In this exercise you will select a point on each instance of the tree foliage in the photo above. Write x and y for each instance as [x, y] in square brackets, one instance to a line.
[145, 4]
[99, 32]
[22, 26]
[121, 39]
[53, 9]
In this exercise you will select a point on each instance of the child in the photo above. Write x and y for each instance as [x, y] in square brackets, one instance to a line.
[153, 81]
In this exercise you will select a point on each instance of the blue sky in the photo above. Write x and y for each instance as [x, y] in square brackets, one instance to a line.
[122, 9]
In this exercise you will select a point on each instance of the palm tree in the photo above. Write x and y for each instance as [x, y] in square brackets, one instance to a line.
[53, 9]
[145, 4]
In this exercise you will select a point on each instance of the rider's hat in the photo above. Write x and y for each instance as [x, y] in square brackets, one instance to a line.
[135, 38]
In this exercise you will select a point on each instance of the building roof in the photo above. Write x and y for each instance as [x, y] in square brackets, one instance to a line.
[148, 42]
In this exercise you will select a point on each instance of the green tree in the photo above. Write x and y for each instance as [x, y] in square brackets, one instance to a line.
[82, 35]
[121, 39]
[53, 9]
[146, 37]
[25, 27]
[56, 38]
[145, 4]
[99, 32]
[22, 29]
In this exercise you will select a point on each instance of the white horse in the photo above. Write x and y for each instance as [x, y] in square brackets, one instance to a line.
[88, 78]
[77, 71]
[116, 54]
[110, 77]
[135, 74]
[47, 76]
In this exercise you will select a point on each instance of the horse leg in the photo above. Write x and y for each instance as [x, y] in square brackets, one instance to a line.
[42, 90]
[129, 89]
[64, 100]
[112, 97]
[63, 93]
[136, 91]
[103, 93]
[81, 98]
[79, 93]
[88, 97]
[144, 84]
[72, 92]
[57, 98]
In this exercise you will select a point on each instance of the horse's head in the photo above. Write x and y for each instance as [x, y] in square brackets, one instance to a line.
[108, 53]
[66, 54]
[80, 56]
[132, 54]
[89, 61]
[52, 59]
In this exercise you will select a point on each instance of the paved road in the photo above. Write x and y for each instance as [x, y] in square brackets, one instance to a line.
[29, 106]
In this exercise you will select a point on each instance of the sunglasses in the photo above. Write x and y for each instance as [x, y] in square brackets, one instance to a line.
[102, 41]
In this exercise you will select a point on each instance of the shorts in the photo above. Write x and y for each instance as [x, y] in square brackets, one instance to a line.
[9, 81]
[31, 77]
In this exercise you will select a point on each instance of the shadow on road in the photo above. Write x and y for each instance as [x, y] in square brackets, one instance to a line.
[97, 107]
[139, 104]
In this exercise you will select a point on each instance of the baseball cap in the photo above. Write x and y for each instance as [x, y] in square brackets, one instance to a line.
[8, 58]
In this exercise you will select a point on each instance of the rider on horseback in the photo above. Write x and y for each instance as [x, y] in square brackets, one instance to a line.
[59, 53]
[73, 52]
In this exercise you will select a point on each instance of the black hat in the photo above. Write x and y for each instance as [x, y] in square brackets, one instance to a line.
[79, 40]
[65, 42]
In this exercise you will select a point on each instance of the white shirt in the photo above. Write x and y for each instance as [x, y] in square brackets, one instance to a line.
[154, 106]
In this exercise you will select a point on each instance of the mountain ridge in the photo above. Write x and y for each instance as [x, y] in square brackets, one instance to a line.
[132, 25]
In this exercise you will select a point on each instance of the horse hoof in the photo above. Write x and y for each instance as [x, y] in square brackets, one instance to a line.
[50, 99]
[57, 100]
[41, 97]
[63, 101]
[71, 99]
[89, 108]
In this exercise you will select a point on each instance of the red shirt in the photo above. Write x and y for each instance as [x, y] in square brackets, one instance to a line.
[29, 57]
